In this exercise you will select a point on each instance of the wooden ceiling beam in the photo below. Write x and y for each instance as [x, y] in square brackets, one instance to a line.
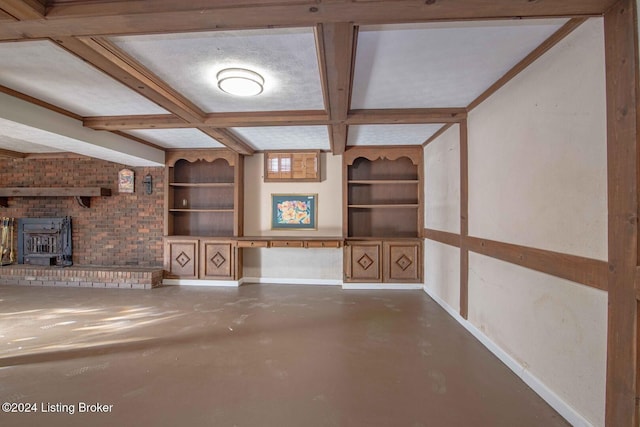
[215, 120]
[279, 118]
[437, 135]
[23, 9]
[227, 138]
[336, 43]
[267, 118]
[146, 121]
[156, 16]
[106, 57]
[406, 116]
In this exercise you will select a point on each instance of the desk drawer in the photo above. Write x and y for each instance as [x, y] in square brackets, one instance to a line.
[287, 244]
[323, 243]
[253, 243]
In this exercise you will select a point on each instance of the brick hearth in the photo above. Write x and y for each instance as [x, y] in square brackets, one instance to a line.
[81, 276]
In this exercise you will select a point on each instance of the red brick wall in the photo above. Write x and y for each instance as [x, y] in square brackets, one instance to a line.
[123, 229]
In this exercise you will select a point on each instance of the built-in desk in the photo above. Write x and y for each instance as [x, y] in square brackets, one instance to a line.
[289, 242]
[220, 258]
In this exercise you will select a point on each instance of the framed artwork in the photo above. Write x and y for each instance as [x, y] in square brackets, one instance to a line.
[294, 211]
[125, 181]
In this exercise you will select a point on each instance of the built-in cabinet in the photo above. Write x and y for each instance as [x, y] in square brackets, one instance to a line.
[292, 166]
[383, 214]
[204, 211]
[383, 261]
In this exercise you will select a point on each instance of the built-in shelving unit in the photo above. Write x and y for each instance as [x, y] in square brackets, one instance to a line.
[203, 194]
[204, 213]
[383, 192]
[383, 214]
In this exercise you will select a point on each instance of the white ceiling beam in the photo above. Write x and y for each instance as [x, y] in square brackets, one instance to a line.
[69, 135]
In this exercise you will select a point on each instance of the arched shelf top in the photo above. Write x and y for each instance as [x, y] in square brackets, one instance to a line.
[371, 153]
[207, 155]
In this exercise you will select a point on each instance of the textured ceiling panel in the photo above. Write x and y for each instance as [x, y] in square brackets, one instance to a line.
[286, 58]
[45, 71]
[176, 138]
[391, 134]
[286, 137]
[17, 131]
[439, 65]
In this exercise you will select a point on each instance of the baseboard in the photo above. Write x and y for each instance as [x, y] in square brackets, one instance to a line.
[210, 283]
[548, 395]
[284, 281]
[380, 286]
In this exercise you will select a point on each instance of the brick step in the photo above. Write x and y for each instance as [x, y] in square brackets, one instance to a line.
[121, 277]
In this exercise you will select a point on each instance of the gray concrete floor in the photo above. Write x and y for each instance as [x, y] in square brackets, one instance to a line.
[259, 355]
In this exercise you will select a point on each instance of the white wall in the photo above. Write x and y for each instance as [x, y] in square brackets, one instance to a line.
[537, 177]
[442, 212]
[537, 153]
[442, 182]
[283, 263]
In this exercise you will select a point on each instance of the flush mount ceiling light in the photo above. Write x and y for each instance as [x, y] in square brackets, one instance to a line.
[240, 82]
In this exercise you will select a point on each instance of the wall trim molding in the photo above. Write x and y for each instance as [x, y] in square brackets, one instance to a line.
[381, 285]
[537, 385]
[446, 237]
[287, 281]
[586, 271]
[209, 283]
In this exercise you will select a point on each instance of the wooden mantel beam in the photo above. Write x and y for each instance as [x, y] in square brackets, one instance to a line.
[11, 154]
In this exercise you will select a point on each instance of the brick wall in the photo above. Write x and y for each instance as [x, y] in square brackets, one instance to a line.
[123, 229]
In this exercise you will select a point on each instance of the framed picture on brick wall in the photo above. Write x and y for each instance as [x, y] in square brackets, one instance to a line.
[125, 181]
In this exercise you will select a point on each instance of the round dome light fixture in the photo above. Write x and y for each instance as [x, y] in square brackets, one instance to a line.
[240, 82]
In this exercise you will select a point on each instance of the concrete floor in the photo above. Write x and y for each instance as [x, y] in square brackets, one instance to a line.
[259, 355]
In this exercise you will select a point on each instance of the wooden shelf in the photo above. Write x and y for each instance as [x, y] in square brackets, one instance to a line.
[202, 210]
[202, 184]
[383, 181]
[82, 194]
[386, 206]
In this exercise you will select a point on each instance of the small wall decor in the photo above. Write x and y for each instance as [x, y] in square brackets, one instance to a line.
[125, 181]
[148, 184]
[294, 211]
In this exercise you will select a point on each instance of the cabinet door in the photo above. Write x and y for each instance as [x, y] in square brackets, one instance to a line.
[181, 259]
[217, 260]
[402, 262]
[363, 262]
[292, 166]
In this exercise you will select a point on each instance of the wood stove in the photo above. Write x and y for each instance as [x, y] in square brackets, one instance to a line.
[45, 241]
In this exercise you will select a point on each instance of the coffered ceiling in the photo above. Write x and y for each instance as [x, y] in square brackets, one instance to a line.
[127, 80]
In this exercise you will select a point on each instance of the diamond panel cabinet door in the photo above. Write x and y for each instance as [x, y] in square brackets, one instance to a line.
[363, 262]
[402, 261]
[181, 258]
[218, 260]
